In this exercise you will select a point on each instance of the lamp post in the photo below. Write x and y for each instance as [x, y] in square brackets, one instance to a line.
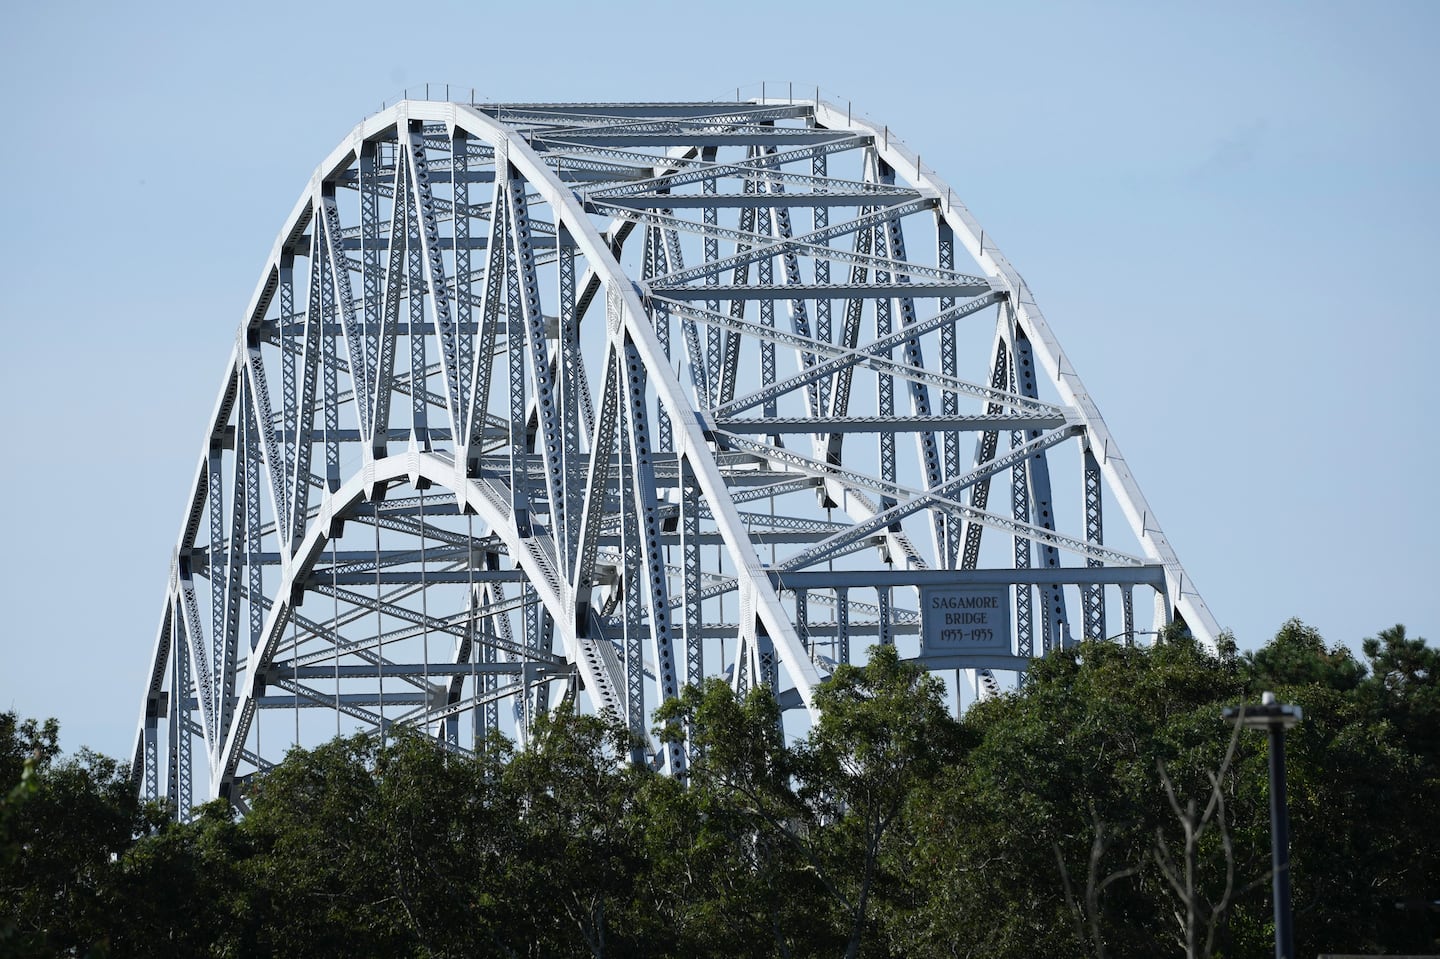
[1275, 718]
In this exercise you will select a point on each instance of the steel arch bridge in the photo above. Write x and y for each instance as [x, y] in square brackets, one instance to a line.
[545, 402]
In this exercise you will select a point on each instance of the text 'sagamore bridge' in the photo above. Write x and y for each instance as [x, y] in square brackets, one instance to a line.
[548, 402]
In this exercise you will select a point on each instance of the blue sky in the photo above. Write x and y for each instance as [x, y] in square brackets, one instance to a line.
[1228, 211]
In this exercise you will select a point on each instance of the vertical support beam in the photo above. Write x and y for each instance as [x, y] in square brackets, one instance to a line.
[192, 640]
[1093, 596]
[227, 648]
[882, 600]
[327, 226]
[372, 279]
[572, 384]
[765, 276]
[820, 220]
[986, 445]
[543, 643]
[690, 560]
[478, 732]
[949, 399]
[491, 709]
[767, 671]
[503, 632]
[390, 313]
[1020, 510]
[528, 705]
[180, 789]
[219, 557]
[743, 674]
[656, 263]
[484, 359]
[849, 336]
[436, 283]
[729, 365]
[919, 393]
[780, 229]
[289, 326]
[464, 310]
[643, 506]
[255, 591]
[330, 370]
[531, 323]
[694, 350]
[1127, 605]
[519, 432]
[415, 295]
[150, 788]
[743, 669]
[802, 620]
[885, 389]
[494, 595]
[267, 444]
[1055, 625]
[1163, 612]
[671, 259]
[629, 583]
[379, 625]
[179, 691]
[711, 250]
[597, 485]
[170, 710]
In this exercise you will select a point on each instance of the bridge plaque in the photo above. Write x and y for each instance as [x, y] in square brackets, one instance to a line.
[966, 623]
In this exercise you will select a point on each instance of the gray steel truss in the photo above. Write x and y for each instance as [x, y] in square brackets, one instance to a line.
[549, 403]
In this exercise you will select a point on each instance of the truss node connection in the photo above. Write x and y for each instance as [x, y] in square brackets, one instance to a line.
[541, 403]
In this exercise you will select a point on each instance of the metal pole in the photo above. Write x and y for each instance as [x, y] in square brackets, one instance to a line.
[1275, 717]
[1280, 846]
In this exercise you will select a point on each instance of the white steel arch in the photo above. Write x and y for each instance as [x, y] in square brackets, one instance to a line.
[544, 401]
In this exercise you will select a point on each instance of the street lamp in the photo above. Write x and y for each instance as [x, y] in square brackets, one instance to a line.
[1275, 718]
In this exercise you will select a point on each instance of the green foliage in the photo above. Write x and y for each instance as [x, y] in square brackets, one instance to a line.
[1082, 744]
[747, 844]
[63, 822]
[1406, 689]
[884, 735]
[1298, 656]
[890, 829]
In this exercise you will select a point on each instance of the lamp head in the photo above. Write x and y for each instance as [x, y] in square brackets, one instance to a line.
[1270, 714]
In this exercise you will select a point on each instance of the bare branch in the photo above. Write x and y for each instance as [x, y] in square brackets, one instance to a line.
[1075, 914]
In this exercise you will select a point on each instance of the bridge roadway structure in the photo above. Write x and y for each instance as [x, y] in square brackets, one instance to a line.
[544, 403]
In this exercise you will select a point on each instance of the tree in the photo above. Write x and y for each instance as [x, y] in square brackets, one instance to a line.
[1094, 810]
[1087, 734]
[1298, 656]
[1198, 912]
[742, 835]
[884, 735]
[64, 820]
[1405, 687]
[179, 890]
[579, 855]
[1079, 748]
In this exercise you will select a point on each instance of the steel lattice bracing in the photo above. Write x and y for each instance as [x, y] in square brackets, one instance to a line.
[544, 401]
